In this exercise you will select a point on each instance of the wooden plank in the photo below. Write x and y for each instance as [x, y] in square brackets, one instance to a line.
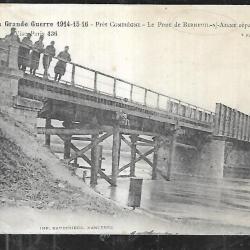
[115, 155]
[245, 128]
[240, 126]
[95, 155]
[68, 131]
[137, 151]
[144, 140]
[47, 137]
[248, 129]
[131, 93]
[144, 144]
[105, 177]
[136, 160]
[133, 139]
[85, 149]
[227, 121]
[232, 121]
[83, 156]
[76, 138]
[217, 119]
[95, 82]
[114, 88]
[67, 143]
[236, 124]
[222, 120]
[145, 97]
[155, 160]
[171, 155]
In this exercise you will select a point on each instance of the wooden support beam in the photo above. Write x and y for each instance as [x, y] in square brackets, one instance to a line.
[115, 154]
[155, 160]
[95, 156]
[136, 160]
[137, 132]
[144, 144]
[171, 155]
[114, 88]
[47, 137]
[70, 131]
[85, 149]
[76, 138]
[137, 151]
[67, 143]
[105, 177]
[145, 140]
[83, 156]
[133, 139]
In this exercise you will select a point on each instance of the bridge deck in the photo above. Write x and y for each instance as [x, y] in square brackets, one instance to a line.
[40, 89]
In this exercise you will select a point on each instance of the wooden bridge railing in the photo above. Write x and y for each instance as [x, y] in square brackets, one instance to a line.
[99, 82]
[231, 123]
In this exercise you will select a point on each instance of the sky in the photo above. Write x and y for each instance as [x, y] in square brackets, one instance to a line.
[197, 65]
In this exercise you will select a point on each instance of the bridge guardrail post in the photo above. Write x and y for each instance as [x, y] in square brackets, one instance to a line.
[131, 92]
[95, 82]
[73, 74]
[145, 97]
[114, 88]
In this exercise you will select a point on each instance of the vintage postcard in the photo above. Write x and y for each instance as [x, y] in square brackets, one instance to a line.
[121, 119]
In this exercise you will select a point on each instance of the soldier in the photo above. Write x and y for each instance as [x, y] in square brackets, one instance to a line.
[24, 52]
[60, 67]
[12, 37]
[35, 55]
[49, 53]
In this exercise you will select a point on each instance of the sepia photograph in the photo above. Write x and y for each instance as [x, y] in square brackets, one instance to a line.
[124, 119]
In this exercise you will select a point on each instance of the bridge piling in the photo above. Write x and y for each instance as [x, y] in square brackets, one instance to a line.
[47, 137]
[67, 147]
[172, 148]
[155, 158]
[94, 163]
[133, 139]
[115, 154]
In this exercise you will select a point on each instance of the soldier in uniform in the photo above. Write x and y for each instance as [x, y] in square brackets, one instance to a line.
[60, 67]
[49, 53]
[35, 55]
[24, 52]
[12, 37]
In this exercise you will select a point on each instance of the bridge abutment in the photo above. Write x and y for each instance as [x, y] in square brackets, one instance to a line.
[23, 109]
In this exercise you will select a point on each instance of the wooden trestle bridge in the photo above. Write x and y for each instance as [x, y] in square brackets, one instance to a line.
[92, 111]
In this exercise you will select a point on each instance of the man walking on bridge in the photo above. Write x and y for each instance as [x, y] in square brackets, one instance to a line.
[60, 67]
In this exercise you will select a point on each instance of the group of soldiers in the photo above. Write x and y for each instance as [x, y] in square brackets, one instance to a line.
[32, 59]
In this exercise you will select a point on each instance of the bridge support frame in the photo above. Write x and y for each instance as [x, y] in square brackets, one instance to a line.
[155, 158]
[172, 148]
[133, 139]
[47, 137]
[115, 154]
[67, 146]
